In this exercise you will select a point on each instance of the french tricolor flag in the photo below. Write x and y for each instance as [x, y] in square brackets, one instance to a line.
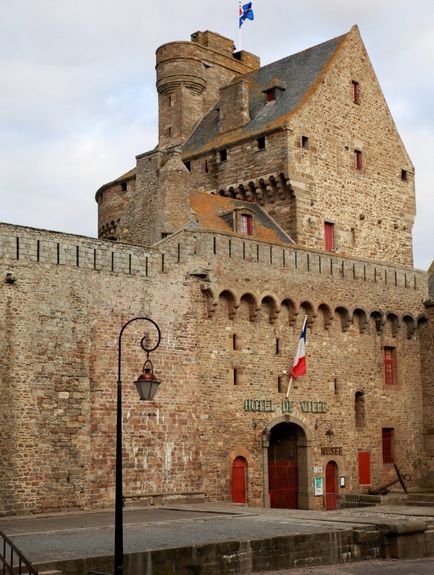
[299, 367]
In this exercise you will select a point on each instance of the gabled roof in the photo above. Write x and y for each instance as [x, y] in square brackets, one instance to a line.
[211, 211]
[298, 74]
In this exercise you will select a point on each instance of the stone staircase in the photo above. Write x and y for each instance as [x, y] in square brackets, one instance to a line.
[421, 499]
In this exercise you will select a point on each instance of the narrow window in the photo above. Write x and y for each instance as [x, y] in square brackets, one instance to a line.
[404, 175]
[359, 407]
[356, 92]
[246, 224]
[169, 100]
[305, 142]
[223, 154]
[329, 236]
[270, 94]
[353, 237]
[277, 346]
[187, 164]
[335, 386]
[280, 384]
[261, 143]
[235, 341]
[357, 160]
[124, 186]
[387, 444]
[169, 131]
[390, 365]
[206, 166]
[235, 376]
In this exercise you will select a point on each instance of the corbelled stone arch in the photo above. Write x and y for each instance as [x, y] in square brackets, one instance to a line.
[360, 319]
[422, 322]
[409, 325]
[344, 317]
[308, 309]
[229, 298]
[270, 306]
[377, 321]
[392, 323]
[326, 315]
[211, 300]
[289, 311]
[251, 302]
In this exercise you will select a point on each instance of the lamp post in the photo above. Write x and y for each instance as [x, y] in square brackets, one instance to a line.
[147, 386]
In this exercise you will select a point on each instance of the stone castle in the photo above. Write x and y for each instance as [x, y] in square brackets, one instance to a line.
[275, 193]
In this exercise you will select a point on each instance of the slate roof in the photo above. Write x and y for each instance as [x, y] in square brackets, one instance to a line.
[299, 73]
[211, 210]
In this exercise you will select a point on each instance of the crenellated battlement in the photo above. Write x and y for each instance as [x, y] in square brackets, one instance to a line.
[18, 243]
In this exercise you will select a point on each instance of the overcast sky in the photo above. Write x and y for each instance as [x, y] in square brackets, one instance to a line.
[78, 99]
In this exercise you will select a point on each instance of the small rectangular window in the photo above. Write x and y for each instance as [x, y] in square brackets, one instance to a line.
[235, 376]
[329, 236]
[206, 166]
[235, 341]
[246, 224]
[387, 440]
[390, 365]
[261, 143]
[280, 385]
[187, 164]
[169, 131]
[357, 160]
[223, 154]
[277, 346]
[170, 101]
[270, 94]
[305, 142]
[404, 175]
[356, 92]
[124, 186]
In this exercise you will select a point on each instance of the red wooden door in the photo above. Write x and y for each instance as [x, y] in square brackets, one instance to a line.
[283, 485]
[364, 468]
[239, 473]
[331, 485]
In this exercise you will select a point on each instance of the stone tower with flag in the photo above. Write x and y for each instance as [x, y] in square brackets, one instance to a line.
[275, 193]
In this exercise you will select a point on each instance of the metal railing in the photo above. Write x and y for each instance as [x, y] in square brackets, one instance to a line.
[12, 561]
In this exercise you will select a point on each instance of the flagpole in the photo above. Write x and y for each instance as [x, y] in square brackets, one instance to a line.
[289, 387]
[239, 28]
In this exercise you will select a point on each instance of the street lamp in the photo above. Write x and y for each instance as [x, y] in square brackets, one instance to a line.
[147, 386]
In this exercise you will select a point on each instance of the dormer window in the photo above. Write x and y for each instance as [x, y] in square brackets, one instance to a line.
[246, 222]
[274, 89]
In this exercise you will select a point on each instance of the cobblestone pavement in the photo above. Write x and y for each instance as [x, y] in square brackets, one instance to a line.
[380, 567]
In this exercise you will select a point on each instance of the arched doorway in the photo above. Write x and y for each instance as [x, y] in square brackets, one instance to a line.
[331, 485]
[287, 467]
[239, 480]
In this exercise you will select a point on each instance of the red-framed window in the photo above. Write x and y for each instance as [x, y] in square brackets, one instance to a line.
[387, 437]
[246, 224]
[355, 91]
[270, 94]
[358, 160]
[329, 236]
[389, 365]
[364, 468]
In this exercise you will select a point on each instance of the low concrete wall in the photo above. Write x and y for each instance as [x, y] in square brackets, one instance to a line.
[244, 557]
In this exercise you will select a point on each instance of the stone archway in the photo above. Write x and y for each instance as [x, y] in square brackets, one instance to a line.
[287, 457]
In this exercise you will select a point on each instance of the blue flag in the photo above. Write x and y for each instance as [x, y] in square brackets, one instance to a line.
[246, 13]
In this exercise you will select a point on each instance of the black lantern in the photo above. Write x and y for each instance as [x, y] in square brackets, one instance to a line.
[147, 384]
